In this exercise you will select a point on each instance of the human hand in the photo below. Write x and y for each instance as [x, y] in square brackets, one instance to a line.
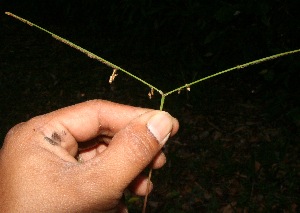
[39, 171]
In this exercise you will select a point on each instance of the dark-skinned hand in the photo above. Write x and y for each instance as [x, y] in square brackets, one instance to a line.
[81, 158]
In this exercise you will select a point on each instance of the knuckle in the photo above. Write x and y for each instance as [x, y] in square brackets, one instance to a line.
[14, 130]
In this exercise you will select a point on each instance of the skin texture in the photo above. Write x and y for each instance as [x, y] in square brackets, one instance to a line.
[81, 158]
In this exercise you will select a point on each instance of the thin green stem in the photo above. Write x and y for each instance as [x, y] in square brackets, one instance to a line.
[102, 60]
[162, 101]
[88, 53]
[234, 68]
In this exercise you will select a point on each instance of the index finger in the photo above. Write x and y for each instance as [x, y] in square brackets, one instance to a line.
[89, 119]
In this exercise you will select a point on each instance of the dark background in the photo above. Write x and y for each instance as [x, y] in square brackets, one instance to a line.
[168, 44]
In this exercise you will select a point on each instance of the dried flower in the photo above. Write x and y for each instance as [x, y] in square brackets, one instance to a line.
[113, 76]
[151, 93]
[188, 88]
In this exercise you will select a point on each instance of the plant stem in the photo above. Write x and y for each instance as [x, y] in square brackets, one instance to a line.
[147, 191]
[162, 101]
[102, 60]
[88, 53]
[234, 68]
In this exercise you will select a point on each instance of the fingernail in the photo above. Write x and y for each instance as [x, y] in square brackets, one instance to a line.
[160, 125]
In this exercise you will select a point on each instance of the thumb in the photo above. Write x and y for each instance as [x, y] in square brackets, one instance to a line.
[133, 148]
